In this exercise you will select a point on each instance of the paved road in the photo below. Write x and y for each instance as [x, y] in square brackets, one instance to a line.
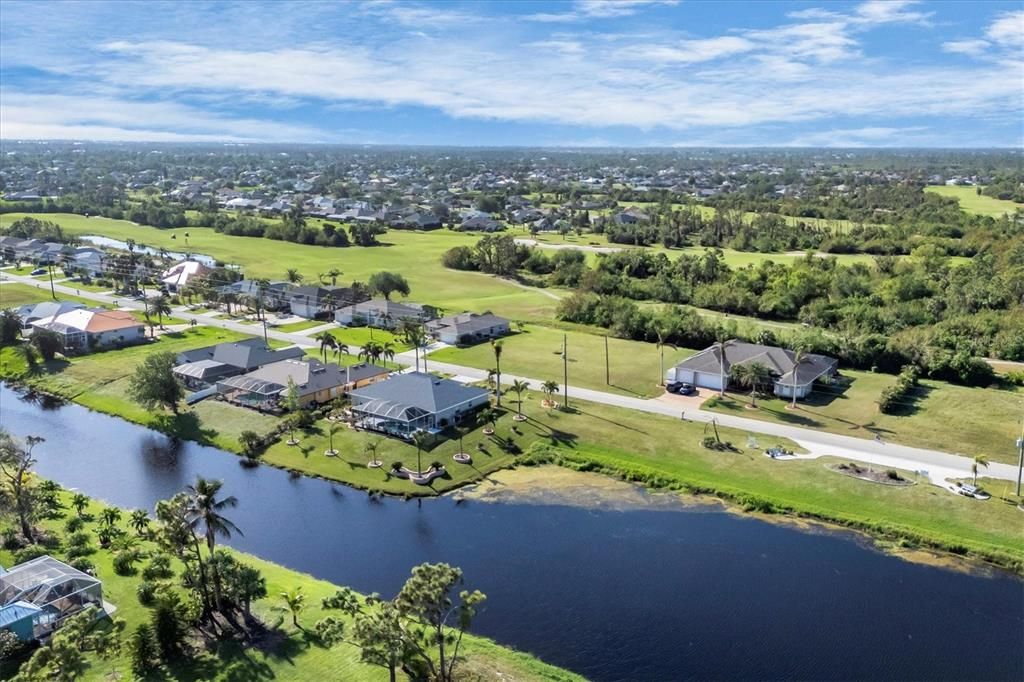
[935, 464]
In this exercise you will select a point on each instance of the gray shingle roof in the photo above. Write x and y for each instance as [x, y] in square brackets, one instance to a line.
[780, 361]
[419, 390]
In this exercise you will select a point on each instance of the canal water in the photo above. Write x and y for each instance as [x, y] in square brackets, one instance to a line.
[111, 243]
[656, 593]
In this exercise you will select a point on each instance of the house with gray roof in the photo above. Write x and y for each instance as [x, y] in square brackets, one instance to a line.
[417, 401]
[33, 312]
[467, 328]
[707, 369]
[382, 313]
[205, 366]
[319, 302]
[316, 383]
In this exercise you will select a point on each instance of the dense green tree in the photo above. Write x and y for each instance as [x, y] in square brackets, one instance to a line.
[154, 385]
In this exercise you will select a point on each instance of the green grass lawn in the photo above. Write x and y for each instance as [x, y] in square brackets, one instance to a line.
[14, 294]
[359, 336]
[100, 380]
[301, 326]
[943, 416]
[296, 655]
[417, 255]
[972, 202]
[536, 353]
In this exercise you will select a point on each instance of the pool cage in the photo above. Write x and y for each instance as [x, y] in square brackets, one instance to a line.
[56, 589]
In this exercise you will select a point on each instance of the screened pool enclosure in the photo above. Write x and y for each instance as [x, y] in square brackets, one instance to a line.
[48, 589]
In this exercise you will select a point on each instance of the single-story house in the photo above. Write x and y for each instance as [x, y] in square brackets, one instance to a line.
[313, 302]
[467, 328]
[183, 273]
[47, 310]
[705, 369]
[86, 328]
[38, 595]
[381, 313]
[412, 402]
[274, 296]
[317, 383]
[481, 224]
[229, 359]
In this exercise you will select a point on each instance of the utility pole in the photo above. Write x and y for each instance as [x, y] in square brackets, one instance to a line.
[565, 367]
[1020, 448]
[53, 292]
[607, 370]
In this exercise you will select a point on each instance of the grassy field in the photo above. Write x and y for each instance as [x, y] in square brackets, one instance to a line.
[300, 326]
[536, 352]
[972, 202]
[359, 336]
[942, 416]
[416, 255]
[99, 381]
[14, 294]
[295, 655]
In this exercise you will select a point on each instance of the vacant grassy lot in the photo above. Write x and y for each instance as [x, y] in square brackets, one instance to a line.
[972, 202]
[301, 326]
[14, 294]
[297, 656]
[359, 336]
[416, 255]
[100, 381]
[536, 352]
[942, 416]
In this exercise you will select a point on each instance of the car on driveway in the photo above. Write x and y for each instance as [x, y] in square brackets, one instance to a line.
[38, 271]
[686, 389]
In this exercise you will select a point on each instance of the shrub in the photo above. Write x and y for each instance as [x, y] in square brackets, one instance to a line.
[9, 539]
[1016, 378]
[82, 564]
[891, 473]
[125, 560]
[146, 593]
[896, 396]
[10, 646]
[142, 650]
[396, 466]
[28, 553]
[168, 629]
[159, 568]
[79, 551]
[79, 539]
[74, 524]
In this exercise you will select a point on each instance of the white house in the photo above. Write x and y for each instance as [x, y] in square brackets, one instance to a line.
[86, 328]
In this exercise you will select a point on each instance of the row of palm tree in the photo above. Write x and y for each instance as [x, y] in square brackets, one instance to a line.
[413, 333]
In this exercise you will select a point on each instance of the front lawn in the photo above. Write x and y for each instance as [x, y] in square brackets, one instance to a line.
[536, 352]
[359, 336]
[300, 326]
[14, 294]
[940, 416]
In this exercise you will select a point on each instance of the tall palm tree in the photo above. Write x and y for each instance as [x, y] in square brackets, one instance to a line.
[326, 341]
[753, 376]
[371, 448]
[331, 431]
[720, 346]
[371, 351]
[488, 415]
[204, 511]
[518, 386]
[159, 306]
[387, 352]
[799, 358]
[334, 274]
[293, 275]
[497, 348]
[661, 351]
[979, 461]
[414, 335]
[28, 354]
[420, 439]
[139, 521]
[340, 349]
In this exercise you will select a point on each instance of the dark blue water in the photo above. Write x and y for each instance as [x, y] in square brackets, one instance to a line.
[653, 594]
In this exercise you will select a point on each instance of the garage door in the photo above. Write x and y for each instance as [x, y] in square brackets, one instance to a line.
[706, 380]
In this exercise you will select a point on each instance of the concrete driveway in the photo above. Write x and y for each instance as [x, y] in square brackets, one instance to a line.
[686, 402]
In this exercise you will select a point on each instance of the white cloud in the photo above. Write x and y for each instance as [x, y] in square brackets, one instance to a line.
[690, 51]
[968, 47]
[418, 16]
[890, 12]
[862, 137]
[1008, 29]
[597, 9]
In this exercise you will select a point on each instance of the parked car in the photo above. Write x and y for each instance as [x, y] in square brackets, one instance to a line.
[38, 271]
[673, 386]
[686, 389]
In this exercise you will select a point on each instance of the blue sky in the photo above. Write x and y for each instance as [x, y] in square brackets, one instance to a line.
[578, 73]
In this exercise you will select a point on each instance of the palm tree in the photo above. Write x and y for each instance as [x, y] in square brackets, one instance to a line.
[720, 347]
[420, 439]
[205, 509]
[414, 335]
[331, 430]
[753, 376]
[799, 358]
[372, 351]
[110, 516]
[488, 416]
[371, 448]
[387, 351]
[497, 347]
[550, 388]
[518, 386]
[979, 461]
[661, 351]
[334, 274]
[139, 521]
[293, 275]
[79, 502]
[159, 306]
[294, 602]
[340, 349]
[326, 341]
[27, 353]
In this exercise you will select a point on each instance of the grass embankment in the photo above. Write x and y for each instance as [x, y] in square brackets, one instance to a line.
[296, 655]
[536, 352]
[99, 381]
[972, 202]
[938, 415]
[664, 452]
[417, 255]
